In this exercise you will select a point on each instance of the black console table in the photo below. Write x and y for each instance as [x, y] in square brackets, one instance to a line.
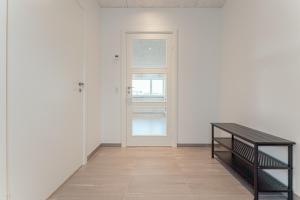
[242, 154]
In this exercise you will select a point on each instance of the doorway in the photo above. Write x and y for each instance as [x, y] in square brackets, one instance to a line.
[150, 89]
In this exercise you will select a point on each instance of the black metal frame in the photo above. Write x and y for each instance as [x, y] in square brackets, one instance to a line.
[249, 162]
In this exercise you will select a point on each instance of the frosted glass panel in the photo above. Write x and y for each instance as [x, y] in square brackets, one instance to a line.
[149, 53]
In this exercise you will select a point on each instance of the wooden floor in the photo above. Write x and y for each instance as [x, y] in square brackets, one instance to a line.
[152, 174]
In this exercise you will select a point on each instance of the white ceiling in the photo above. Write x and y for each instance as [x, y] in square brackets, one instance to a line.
[161, 3]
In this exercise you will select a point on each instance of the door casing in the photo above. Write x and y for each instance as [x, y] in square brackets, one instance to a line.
[173, 75]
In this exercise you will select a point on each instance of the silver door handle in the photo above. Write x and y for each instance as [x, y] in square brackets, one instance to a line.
[81, 86]
[129, 88]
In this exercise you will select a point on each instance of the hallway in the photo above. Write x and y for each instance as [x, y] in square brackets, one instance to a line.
[163, 79]
[149, 173]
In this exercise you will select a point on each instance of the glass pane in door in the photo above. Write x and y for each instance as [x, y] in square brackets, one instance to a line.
[149, 105]
[148, 88]
[149, 53]
[149, 122]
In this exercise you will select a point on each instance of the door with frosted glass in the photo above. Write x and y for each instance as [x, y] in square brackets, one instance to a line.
[147, 89]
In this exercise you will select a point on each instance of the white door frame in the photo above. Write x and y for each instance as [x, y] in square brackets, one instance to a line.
[173, 75]
[3, 88]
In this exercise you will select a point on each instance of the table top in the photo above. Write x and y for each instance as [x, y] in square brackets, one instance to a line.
[251, 135]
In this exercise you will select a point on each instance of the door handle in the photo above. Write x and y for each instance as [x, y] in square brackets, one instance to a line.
[81, 85]
[129, 89]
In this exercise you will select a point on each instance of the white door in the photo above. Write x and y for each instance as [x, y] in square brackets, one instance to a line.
[44, 120]
[148, 89]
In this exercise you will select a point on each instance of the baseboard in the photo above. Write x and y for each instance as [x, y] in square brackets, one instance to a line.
[102, 145]
[178, 145]
[193, 145]
[111, 145]
[93, 152]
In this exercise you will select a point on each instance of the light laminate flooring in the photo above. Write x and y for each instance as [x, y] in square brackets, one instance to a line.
[152, 173]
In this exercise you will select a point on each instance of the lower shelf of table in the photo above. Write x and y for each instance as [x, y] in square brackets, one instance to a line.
[246, 152]
[266, 182]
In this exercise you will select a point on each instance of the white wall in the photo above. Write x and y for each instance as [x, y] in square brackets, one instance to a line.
[45, 59]
[260, 79]
[3, 153]
[93, 80]
[199, 57]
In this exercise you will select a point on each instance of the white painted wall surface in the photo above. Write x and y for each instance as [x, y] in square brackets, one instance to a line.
[198, 63]
[260, 79]
[93, 80]
[45, 59]
[3, 135]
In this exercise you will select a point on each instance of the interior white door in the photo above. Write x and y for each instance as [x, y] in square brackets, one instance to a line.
[44, 113]
[148, 93]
